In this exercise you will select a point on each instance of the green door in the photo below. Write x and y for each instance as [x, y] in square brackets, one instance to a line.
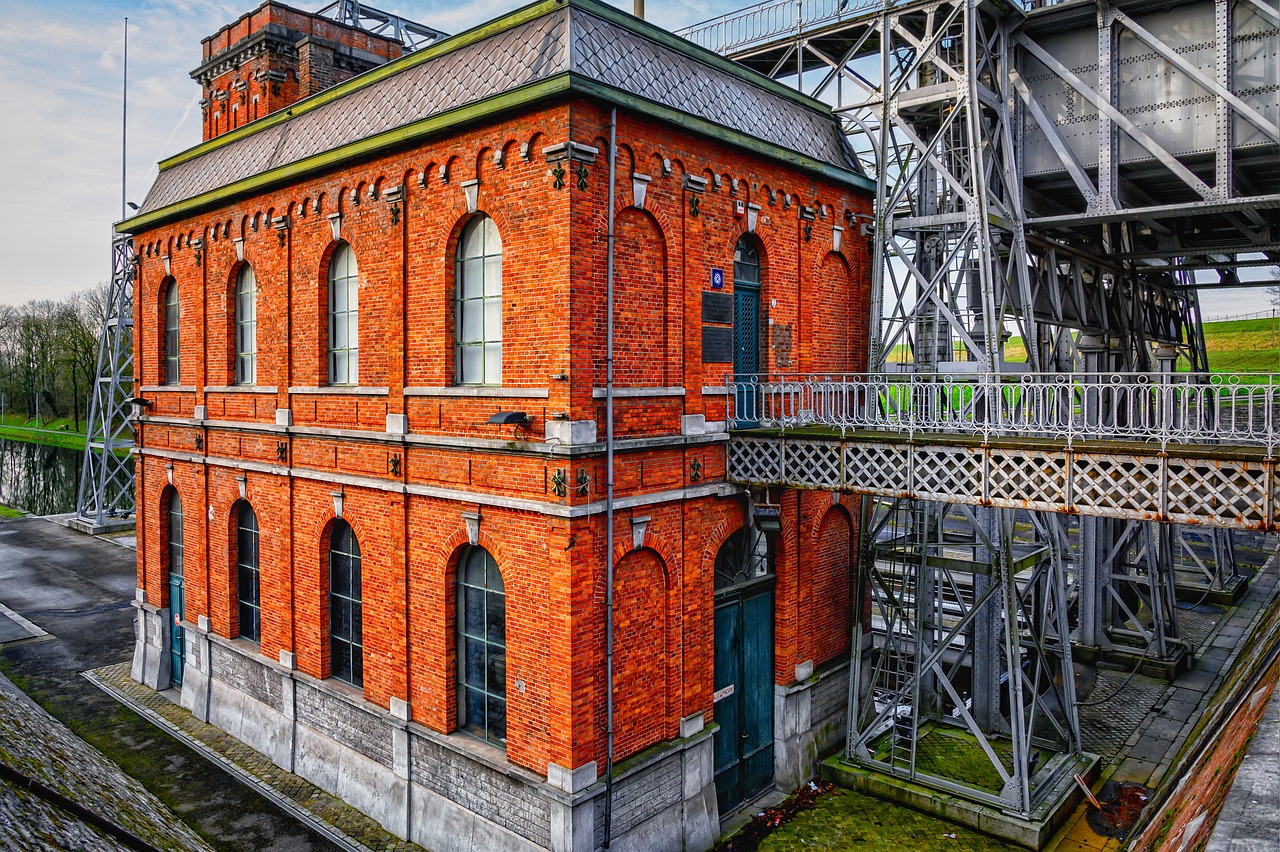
[177, 602]
[743, 680]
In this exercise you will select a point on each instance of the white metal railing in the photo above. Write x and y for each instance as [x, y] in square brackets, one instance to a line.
[768, 21]
[1179, 408]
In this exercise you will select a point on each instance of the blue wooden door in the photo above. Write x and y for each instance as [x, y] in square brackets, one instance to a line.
[177, 598]
[744, 694]
[746, 351]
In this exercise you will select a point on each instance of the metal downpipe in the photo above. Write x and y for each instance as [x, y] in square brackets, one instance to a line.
[608, 494]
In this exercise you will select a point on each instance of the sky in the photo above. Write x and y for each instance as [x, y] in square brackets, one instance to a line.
[60, 137]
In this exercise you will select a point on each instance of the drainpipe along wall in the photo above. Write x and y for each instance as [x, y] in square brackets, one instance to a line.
[608, 496]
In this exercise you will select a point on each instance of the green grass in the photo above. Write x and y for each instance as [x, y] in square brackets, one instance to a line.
[10, 512]
[60, 432]
[1235, 346]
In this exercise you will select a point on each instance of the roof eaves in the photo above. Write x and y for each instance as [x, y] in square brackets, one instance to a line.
[361, 149]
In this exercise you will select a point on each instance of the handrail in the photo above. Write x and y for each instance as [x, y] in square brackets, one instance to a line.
[1164, 408]
[768, 21]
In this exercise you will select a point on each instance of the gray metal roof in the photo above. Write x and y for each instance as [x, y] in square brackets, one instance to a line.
[566, 38]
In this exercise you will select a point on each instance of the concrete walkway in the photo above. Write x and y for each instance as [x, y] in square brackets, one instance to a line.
[1250, 818]
[341, 823]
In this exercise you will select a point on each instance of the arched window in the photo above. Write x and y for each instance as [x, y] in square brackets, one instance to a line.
[246, 327]
[177, 592]
[172, 336]
[478, 318]
[344, 318]
[248, 596]
[482, 647]
[346, 643]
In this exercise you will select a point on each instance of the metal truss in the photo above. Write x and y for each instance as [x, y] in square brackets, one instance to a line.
[106, 477]
[1042, 207]
[971, 666]
[412, 35]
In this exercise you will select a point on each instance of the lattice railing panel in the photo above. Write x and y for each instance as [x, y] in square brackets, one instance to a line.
[1027, 480]
[1230, 492]
[883, 469]
[948, 474]
[1143, 485]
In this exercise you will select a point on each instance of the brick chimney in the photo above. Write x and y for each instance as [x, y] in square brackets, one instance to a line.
[274, 57]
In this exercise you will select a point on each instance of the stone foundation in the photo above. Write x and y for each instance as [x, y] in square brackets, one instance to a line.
[445, 792]
[809, 721]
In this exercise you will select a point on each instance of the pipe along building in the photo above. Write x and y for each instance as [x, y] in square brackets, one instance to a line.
[398, 464]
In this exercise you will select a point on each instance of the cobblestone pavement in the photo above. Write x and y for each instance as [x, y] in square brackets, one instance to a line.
[340, 822]
[35, 745]
[78, 589]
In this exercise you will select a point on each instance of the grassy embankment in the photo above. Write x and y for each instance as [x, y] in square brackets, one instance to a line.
[55, 433]
[1237, 346]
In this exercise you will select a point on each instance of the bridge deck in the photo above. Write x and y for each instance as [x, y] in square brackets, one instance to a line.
[1212, 485]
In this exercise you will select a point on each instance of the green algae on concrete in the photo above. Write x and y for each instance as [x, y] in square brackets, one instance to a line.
[842, 819]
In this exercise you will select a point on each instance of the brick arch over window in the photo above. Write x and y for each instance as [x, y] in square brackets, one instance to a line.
[828, 576]
[644, 693]
[641, 302]
[833, 318]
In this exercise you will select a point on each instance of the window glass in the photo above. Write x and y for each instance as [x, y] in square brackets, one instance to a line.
[172, 335]
[346, 616]
[246, 327]
[344, 318]
[478, 312]
[248, 596]
[746, 262]
[482, 652]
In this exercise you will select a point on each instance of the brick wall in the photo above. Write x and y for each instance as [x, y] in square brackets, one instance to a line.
[406, 496]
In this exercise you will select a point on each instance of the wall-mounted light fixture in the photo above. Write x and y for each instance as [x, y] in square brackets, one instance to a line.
[510, 418]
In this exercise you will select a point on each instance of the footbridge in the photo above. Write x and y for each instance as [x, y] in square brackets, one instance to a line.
[1174, 449]
[1038, 428]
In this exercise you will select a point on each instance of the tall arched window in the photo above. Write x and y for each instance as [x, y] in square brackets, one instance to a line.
[746, 262]
[346, 642]
[246, 327]
[478, 317]
[172, 336]
[344, 318]
[248, 596]
[177, 591]
[482, 647]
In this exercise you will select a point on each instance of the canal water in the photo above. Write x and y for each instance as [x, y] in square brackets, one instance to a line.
[39, 479]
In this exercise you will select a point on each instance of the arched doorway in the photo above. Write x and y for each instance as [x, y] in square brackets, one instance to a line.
[177, 592]
[744, 581]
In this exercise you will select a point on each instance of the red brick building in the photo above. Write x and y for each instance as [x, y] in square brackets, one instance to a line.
[372, 482]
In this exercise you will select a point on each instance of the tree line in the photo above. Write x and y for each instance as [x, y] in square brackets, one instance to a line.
[49, 355]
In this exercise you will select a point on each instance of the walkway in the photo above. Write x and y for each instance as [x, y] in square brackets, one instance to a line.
[341, 823]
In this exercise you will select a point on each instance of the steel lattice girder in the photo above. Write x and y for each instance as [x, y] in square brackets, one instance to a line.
[106, 478]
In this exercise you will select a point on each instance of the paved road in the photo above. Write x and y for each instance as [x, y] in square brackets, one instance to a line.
[78, 589]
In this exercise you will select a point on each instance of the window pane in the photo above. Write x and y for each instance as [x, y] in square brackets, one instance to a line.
[496, 620]
[493, 364]
[339, 575]
[498, 720]
[493, 319]
[472, 242]
[473, 663]
[357, 623]
[493, 275]
[338, 340]
[472, 278]
[494, 581]
[474, 567]
[471, 364]
[357, 667]
[471, 328]
[473, 715]
[492, 240]
[340, 619]
[473, 615]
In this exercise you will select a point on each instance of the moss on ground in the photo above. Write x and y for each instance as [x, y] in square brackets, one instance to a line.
[10, 512]
[844, 820]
